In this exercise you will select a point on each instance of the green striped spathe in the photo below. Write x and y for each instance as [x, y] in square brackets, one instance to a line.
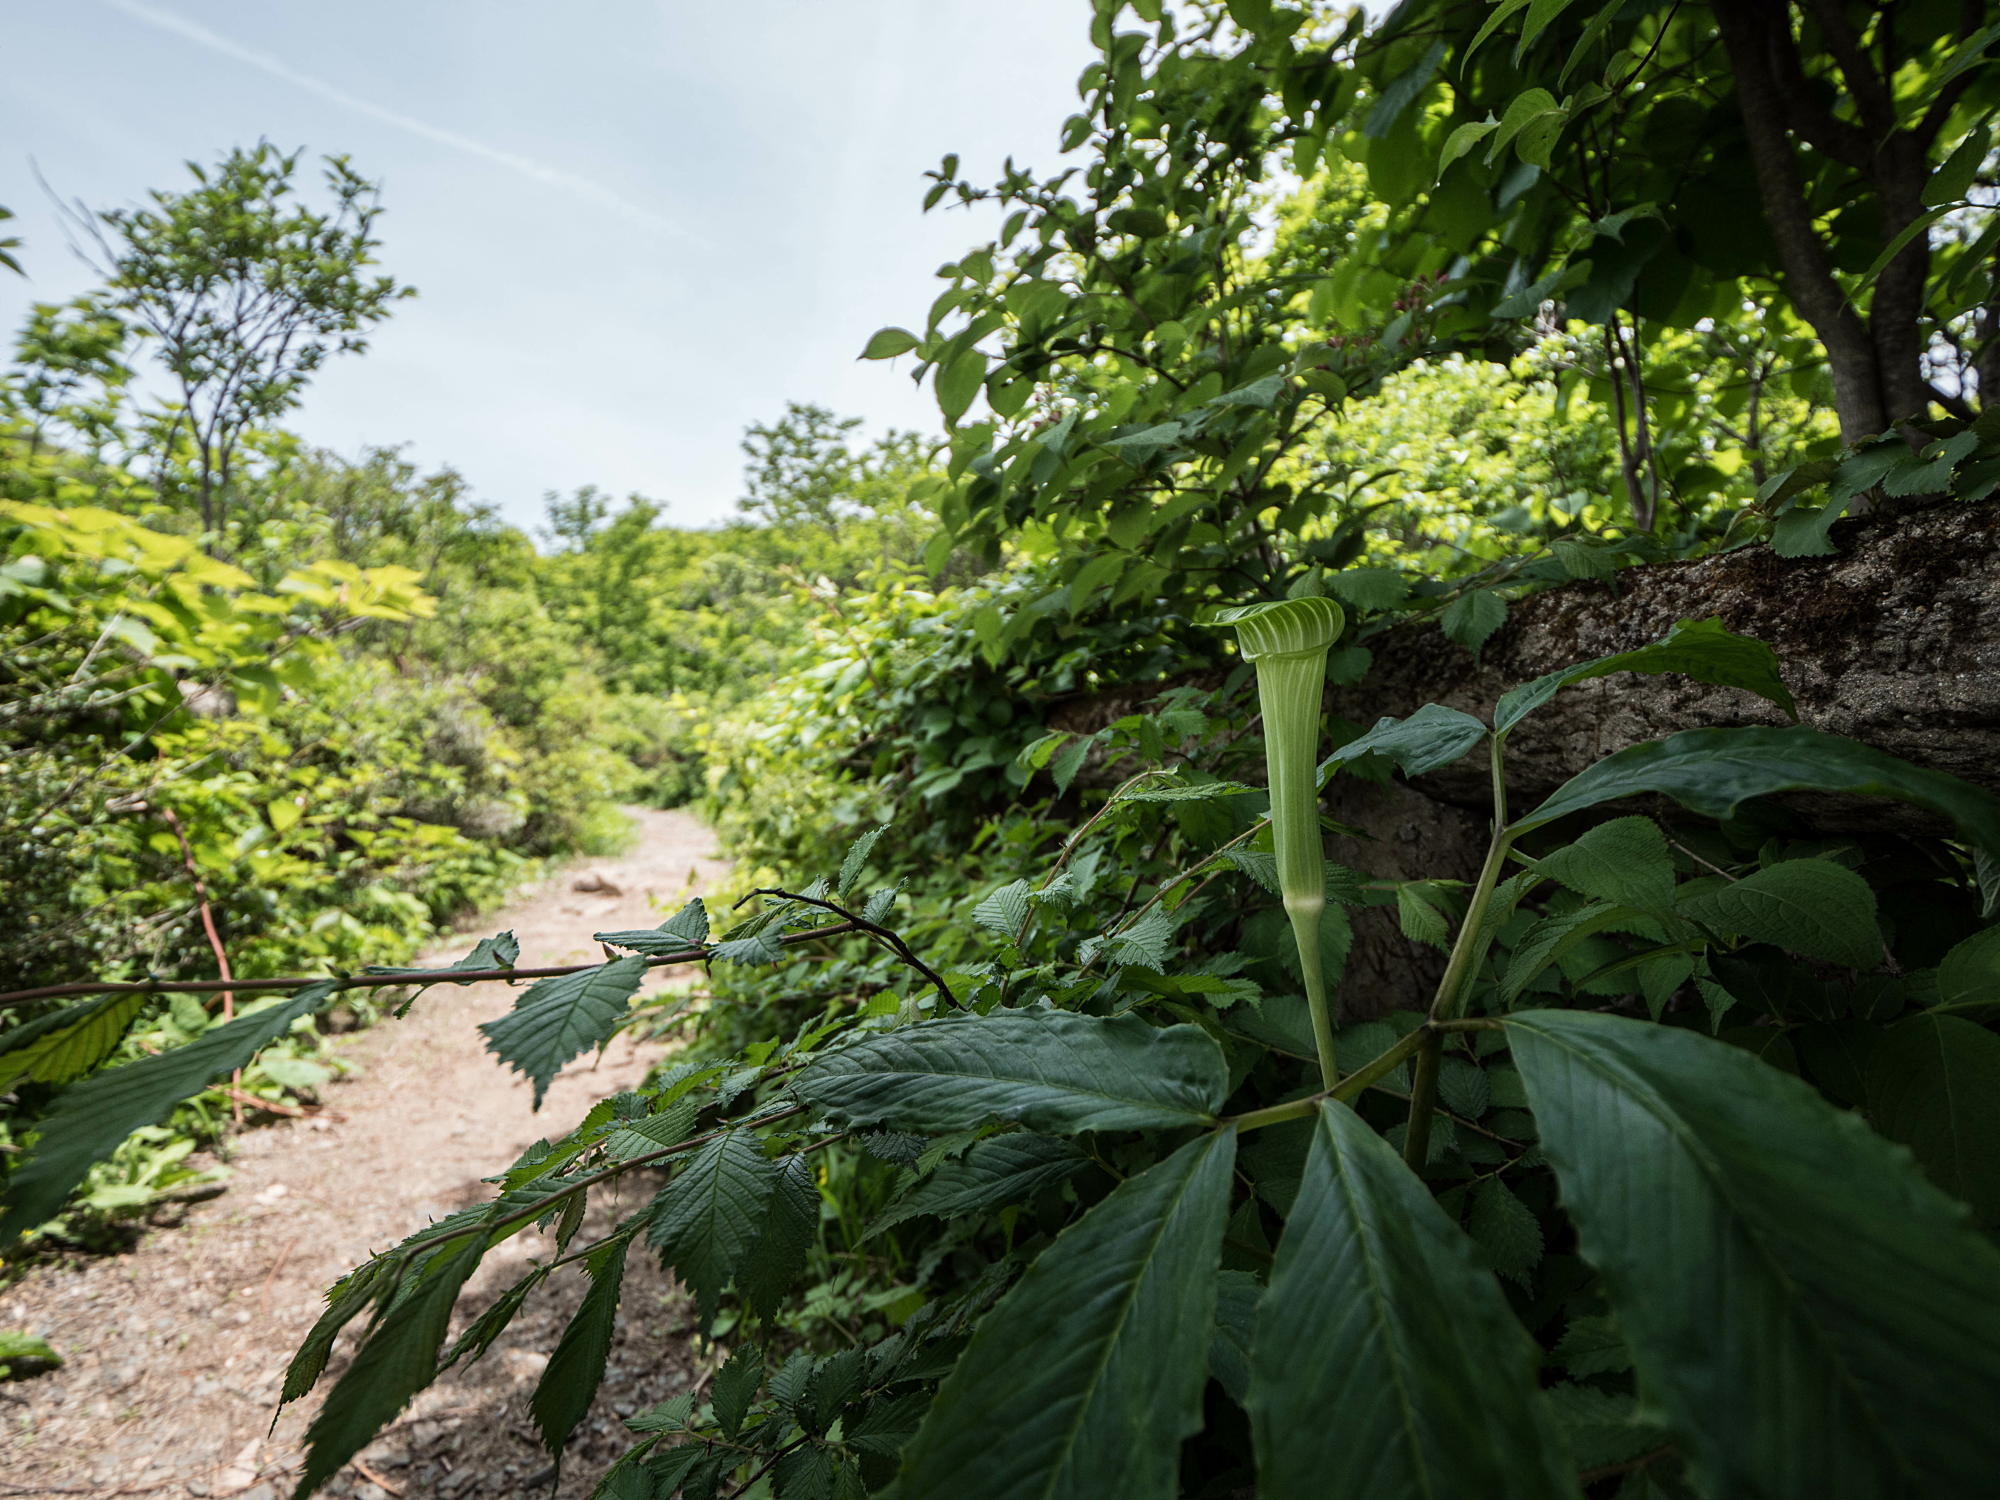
[1284, 627]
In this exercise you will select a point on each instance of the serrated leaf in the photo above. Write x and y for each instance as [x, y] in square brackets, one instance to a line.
[791, 1224]
[1624, 861]
[1052, 1071]
[1144, 942]
[91, 1117]
[1420, 921]
[480, 1333]
[1463, 1087]
[1471, 619]
[1592, 1346]
[70, 1042]
[1370, 588]
[1765, 1255]
[856, 859]
[1934, 1085]
[397, 1360]
[1386, 1364]
[1504, 1229]
[501, 951]
[758, 947]
[1432, 737]
[1179, 789]
[999, 1170]
[1551, 937]
[736, 1386]
[1714, 771]
[1069, 760]
[1701, 649]
[1602, 1428]
[1808, 906]
[1005, 911]
[576, 1367]
[650, 1133]
[685, 929]
[557, 1019]
[1085, 1378]
[706, 1219]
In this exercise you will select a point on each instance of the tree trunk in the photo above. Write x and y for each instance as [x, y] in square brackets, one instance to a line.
[1895, 642]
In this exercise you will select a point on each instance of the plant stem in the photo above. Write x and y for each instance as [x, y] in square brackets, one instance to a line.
[1363, 1077]
[1423, 1102]
[1466, 953]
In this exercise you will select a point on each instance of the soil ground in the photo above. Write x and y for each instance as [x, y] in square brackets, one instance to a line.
[176, 1349]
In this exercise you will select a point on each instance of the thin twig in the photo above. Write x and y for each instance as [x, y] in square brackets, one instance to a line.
[342, 982]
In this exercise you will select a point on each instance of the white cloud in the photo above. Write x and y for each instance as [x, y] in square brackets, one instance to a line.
[556, 177]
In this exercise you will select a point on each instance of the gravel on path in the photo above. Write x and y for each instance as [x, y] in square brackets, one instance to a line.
[175, 1350]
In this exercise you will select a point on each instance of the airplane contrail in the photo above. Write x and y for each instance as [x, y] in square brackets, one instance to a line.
[557, 177]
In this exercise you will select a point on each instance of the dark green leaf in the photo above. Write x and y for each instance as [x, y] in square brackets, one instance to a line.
[1624, 861]
[575, 1369]
[1970, 973]
[1236, 1296]
[791, 1224]
[1811, 1316]
[1004, 1169]
[705, 1221]
[684, 930]
[1808, 906]
[1086, 1377]
[1700, 649]
[1386, 1363]
[398, 1360]
[1934, 1085]
[500, 951]
[1714, 771]
[556, 1019]
[90, 1118]
[1049, 1070]
[736, 1385]
[1472, 618]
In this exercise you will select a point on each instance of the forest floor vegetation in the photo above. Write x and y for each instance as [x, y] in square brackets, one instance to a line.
[174, 1351]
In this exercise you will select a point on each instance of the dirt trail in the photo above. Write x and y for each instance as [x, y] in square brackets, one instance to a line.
[176, 1350]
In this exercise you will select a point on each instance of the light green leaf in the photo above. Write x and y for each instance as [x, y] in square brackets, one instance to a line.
[1005, 910]
[958, 382]
[1700, 649]
[557, 1019]
[1432, 737]
[68, 1043]
[1808, 906]
[1810, 1315]
[1934, 1085]
[91, 1117]
[1714, 771]
[1386, 1364]
[1471, 619]
[856, 860]
[1052, 1071]
[887, 343]
[1084, 1380]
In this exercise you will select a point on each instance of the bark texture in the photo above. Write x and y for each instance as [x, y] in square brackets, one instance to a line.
[1895, 642]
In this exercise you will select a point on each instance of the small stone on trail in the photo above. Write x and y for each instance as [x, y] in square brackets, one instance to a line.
[594, 882]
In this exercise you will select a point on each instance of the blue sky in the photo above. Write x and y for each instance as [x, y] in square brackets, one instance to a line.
[636, 225]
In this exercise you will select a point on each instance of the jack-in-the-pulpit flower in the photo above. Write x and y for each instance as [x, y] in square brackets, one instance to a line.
[1287, 641]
